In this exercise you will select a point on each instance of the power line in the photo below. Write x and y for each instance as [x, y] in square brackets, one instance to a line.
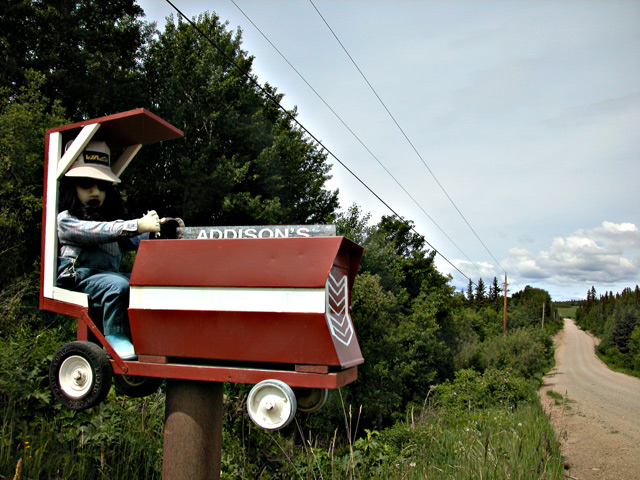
[354, 134]
[405, 135]
[293, 118]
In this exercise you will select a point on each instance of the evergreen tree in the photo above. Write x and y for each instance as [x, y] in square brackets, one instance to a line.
[480, 293]
[494, 290]
[470, 296]
[528, 305]
[626, 317]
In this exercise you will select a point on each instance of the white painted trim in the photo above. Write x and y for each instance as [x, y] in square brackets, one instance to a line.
[51, 235]
[77, 298]
[77, 146]
[339, 320]
[281, 300]
[57, 166]
[125, 159]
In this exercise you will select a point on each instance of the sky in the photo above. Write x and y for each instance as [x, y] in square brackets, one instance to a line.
[508, 132]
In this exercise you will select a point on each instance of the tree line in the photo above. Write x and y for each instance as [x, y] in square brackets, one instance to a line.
[615, 318]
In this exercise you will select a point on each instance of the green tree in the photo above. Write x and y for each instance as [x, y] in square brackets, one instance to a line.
[353, 224]
[379, 391]
[625, 319]
[88, 52]
[242, 160]
[480, 293]
[527, 306]
[634, 348]
[494, 291]
[403, 313]
[24, 117]
[470, 296]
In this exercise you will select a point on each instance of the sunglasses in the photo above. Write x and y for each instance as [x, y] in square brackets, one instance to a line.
[88, 183]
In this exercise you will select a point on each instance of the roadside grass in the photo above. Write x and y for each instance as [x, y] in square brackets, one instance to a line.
[96, 444]
[560, 399]
[567, 311]
[497, 443]
[488, 425]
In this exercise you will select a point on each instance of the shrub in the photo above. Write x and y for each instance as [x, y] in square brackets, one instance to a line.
[634, 348]
[527, 351]
[472, 390]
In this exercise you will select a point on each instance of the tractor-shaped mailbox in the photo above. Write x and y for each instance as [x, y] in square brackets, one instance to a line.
[273, 312]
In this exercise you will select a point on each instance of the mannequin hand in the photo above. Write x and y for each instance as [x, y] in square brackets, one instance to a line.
[149, 223]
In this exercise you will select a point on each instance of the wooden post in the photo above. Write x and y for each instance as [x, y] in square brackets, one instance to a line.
[192, 430]
[504, 326]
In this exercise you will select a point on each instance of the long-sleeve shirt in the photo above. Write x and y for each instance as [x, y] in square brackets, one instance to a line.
[97, 245]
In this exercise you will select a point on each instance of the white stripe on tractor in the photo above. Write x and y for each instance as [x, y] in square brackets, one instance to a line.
[280, 300]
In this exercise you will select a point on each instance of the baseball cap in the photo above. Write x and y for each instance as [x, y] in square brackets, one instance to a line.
[94, 162]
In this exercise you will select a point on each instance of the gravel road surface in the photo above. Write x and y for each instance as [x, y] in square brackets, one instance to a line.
[598, 420]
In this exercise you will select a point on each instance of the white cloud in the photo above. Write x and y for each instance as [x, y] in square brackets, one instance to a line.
[618, 234]
[482, 269]
[600, 256]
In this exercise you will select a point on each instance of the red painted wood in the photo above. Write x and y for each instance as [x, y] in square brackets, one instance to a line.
[240, 375]
[153, 359]
[127, 128]
[312, 368]
[262, 262]
[63, 308]
[292, 338]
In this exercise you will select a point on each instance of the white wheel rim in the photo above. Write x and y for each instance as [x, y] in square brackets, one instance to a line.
[76, 376]
[271, 405]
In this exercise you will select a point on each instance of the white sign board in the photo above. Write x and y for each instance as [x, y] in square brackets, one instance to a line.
[258, 231]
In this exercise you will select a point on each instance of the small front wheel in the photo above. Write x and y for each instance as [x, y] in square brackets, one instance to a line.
[271, 404]
[135, 386]
[80, 375]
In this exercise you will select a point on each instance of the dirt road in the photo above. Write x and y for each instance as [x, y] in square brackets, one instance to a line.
[598, 419]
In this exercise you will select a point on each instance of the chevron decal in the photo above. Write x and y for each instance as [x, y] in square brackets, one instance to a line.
[337, 307]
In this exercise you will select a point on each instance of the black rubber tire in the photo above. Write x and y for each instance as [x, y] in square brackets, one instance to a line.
[311, 399]
[135, 386]
[95, 371]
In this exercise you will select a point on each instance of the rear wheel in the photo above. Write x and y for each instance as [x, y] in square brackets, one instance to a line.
[311, 399]
[135, 386]
[80, 375]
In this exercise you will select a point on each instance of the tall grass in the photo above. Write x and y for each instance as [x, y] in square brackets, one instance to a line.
[119, 439]
[478, 426]
[494, 443]
[567, 311]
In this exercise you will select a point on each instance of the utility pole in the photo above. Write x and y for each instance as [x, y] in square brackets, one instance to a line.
[504, 327]
[543, 305]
